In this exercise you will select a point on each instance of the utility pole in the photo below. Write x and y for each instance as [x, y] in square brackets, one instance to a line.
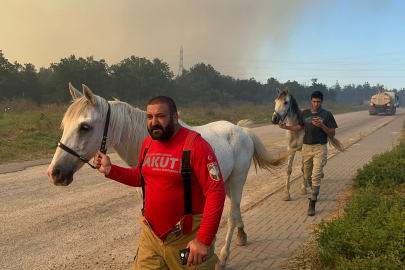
[181, 61]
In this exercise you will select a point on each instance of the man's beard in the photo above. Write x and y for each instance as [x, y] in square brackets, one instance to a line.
[165, 134]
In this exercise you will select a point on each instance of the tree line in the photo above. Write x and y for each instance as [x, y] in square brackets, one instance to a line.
[136, 79]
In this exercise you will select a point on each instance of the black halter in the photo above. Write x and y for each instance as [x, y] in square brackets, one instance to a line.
[103, 141]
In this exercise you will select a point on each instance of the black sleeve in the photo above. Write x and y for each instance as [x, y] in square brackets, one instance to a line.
[330, 121]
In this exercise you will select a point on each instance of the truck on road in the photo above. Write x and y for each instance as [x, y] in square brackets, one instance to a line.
[384, 102]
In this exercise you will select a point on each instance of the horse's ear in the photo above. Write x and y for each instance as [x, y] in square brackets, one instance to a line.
[287, 91]
[89, 95]
[278, 91]
[74, 92]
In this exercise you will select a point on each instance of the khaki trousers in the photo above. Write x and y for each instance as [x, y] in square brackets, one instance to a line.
[155, 254]
[314, 159]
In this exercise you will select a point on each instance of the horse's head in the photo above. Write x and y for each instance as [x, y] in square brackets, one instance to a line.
[282, 106]
[83, 126]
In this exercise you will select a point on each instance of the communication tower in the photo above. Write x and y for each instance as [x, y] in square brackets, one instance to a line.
[181, 61]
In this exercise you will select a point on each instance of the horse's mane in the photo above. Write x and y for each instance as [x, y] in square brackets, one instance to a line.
[295, 109]
[124, 114]
[124, 118]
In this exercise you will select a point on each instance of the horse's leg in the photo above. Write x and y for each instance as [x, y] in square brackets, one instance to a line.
[286, 196]
[241, 238]
[236, 184]
[139, 191]
[227, 189]
[304, 182]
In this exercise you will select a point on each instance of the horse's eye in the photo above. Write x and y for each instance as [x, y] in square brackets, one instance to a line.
[285, 103]
[84, 127]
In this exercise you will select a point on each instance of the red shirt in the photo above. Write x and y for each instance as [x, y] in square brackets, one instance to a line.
[164, 192]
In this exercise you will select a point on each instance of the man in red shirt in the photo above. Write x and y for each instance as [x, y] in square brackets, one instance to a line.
[164, 222]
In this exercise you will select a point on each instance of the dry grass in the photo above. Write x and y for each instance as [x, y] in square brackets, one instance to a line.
[28, 131]
[197, 115]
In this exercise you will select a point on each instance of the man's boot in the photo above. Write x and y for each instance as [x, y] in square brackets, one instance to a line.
[311, 207]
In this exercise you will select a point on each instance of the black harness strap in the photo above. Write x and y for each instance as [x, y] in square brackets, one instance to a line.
[140, 171]
[186, 175]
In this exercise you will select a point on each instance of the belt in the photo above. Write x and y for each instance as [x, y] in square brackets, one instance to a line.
[177, 229]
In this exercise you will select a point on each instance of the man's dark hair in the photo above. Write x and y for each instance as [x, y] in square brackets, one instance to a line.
[317, 94]
[164, 100]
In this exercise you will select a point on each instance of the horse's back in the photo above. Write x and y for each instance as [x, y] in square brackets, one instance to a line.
[224, 135]
[232, 146]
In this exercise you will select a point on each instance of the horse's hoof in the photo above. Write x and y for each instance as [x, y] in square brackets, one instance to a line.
[303, 191]
[286, 197]
[241, 240]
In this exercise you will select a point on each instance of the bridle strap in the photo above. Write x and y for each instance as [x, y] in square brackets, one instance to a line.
[103, 141]
[287, 114]
[70, 151]
[106, 124]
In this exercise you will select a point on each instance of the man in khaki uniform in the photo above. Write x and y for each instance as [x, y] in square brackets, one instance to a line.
[318, 124]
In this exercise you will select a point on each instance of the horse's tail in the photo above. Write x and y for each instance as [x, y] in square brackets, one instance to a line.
[335, 143]
[261, 157]
[244, 123]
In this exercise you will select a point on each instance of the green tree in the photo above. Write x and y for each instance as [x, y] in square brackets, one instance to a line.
[270, 92]
[29, 84]
[44, 74]
[135, 79]
[328, 94]
[9, 76]
[202, 83]
[249, 90]
[78, 71]
[300, 92]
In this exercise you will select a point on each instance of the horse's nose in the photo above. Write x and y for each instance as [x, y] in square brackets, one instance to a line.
[58, 177]
[56, 174]
[274, 119]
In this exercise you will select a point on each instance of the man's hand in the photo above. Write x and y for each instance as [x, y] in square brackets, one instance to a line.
[282, 125]
[317, 122]
[291, 128]
[198, 252]
[102, 163]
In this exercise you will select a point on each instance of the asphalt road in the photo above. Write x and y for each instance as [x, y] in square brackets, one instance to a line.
[92, 224]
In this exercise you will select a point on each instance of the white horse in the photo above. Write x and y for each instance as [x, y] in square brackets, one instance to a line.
[287, 110]
[235, 146]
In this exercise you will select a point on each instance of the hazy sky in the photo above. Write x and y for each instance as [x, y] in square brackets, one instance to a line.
[352, 41]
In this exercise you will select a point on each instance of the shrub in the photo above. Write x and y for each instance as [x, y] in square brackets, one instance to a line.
[370, 236]
[385, 169]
